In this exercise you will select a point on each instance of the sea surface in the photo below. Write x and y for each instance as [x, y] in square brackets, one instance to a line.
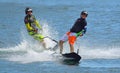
[99, 47]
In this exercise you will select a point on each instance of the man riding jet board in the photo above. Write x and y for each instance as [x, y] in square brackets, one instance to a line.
[78, 29]
[33, 26]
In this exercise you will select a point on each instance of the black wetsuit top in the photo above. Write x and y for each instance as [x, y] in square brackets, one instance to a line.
[79, 25]
[29, 19]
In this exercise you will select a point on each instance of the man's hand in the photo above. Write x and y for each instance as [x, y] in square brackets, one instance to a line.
[81, 35]
[35, 30]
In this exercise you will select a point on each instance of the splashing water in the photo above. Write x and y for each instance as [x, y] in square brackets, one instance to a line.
[29, 50]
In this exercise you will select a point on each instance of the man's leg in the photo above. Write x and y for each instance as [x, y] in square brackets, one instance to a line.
[71, 48]
[40, 38]
[72, 40]
[61, 42]
[61, 46]
[44, 44]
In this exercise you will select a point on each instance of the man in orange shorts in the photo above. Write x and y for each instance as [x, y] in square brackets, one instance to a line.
[78, 29]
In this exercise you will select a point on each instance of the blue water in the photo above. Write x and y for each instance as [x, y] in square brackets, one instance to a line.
[99, 47]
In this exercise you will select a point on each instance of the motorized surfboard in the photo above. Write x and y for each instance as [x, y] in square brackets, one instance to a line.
[71, 58]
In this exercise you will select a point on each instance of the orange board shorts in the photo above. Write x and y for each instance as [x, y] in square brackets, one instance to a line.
[69, 36]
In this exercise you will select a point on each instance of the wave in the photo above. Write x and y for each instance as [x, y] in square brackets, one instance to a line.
[100, 53]
[25, 53]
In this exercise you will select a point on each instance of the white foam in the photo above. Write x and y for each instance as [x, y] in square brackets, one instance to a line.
[27, 52]
[32, 56]
[98, 53]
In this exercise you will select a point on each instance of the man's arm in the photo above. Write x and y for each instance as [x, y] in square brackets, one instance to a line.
[27, 24]
[37, 23]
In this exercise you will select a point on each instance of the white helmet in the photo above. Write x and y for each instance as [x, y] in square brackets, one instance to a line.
[28, 10]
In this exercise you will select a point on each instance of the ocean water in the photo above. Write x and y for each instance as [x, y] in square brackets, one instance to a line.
[99, 47]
